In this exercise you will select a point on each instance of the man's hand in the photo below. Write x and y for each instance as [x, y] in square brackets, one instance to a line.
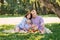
[42, 24]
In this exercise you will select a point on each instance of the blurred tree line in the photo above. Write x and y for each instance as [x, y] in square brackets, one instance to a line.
[12, 7]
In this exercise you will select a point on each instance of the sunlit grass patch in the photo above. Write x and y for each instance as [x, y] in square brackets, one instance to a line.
[54, 27]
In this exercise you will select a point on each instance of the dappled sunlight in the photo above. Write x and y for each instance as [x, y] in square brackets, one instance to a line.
[24, 14]
[16, 20]
[54, 27]
[51, 20]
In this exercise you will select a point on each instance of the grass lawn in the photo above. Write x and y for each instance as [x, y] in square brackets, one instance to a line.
[49, 15]
[54, 27]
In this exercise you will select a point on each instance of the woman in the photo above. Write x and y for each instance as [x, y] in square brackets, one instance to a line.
[25, 23]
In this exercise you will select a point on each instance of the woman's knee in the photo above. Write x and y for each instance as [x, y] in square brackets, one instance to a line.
[17, 29]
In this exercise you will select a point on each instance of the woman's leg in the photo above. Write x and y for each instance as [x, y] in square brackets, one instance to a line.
[17, 29]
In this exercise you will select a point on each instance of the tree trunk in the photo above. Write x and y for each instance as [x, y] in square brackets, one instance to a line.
[51, 6]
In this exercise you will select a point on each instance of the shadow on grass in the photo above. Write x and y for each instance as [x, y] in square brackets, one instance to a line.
[55, 28]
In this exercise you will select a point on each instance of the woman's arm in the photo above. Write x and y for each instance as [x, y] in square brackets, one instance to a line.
[22, 23]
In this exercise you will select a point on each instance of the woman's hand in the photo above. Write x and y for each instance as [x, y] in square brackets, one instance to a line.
[24, 29]
[33, 25]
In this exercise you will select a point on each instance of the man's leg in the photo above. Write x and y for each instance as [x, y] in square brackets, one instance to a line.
[41, 30]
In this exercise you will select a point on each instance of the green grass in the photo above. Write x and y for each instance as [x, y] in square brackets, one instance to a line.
[49, 15]
[4, 16]
[54, 27]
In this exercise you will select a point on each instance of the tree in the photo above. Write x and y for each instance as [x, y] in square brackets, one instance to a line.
[2, 6]
[21, 6]
[52, 6]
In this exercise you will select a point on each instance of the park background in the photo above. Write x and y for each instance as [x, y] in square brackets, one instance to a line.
[13, 11]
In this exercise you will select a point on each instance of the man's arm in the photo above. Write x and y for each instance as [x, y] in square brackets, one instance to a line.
[41, 22]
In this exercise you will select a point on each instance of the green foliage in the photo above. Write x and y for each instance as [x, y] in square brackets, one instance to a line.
[54, 27]
[6, 27]
[58, 1]
[22, 6]
[20, 15]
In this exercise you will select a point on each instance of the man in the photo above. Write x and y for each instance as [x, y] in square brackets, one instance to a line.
[37, 21]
